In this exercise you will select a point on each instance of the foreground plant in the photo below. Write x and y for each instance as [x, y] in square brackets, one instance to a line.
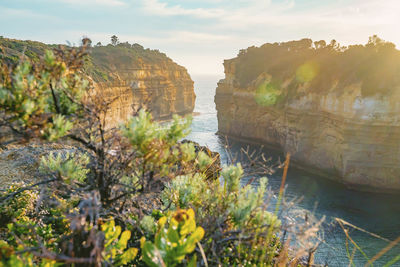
[239, 227]
[177, 236]
[59, 219]
[90, 209]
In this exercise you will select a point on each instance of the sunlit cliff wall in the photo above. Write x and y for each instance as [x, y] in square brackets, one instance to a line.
[131, 76]
[164, 89]
[336, 111]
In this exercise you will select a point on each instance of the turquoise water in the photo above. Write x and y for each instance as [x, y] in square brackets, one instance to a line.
[377, 213]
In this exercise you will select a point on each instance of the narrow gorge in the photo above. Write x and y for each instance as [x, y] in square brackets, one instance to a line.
[335, 109]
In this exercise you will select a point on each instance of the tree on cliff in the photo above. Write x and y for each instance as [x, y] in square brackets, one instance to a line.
[375, 65]
[320, 44]
[114, 40]
[86, 41]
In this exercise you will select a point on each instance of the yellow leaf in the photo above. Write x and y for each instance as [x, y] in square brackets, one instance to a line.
[162, 221]
[190, 212]
[129, 255]
[123, 240]
[113, 252]
[142, 241]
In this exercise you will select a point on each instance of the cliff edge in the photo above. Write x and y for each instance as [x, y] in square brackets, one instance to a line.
[335, 109]
[132, 75]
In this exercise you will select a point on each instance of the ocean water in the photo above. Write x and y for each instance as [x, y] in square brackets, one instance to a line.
[376, 213]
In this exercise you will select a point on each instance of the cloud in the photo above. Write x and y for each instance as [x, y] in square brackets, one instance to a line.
[95, 2]
[156, 7]
[236, 24]
[201, 33]
[225, 13]
[159, 37]
[194, 37]
[242, 15]
[6, 12]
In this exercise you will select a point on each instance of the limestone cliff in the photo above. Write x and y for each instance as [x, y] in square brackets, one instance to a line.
[133, 76]
[321, 104]
[140, 77]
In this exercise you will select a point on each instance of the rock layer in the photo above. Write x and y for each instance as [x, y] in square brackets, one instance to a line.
[337, 131]
[164, 89]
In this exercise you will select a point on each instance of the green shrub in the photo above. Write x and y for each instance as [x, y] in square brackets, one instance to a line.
[16, 208]
[69, 167]
[177, 236]
[116, 243]
[230, 213]
[90, 208]
[185, 191]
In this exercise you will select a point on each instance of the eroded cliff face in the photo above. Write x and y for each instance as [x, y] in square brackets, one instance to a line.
[134, 77]
[130, 75]
[338, 131]
[164, 89]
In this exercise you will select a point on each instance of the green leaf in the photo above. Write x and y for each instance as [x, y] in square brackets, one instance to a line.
[59, 128]
[173, 235]
[29, 106]
[151, 255]
[193, 261]
[49, 57]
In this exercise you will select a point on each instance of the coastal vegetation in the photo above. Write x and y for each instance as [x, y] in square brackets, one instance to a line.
[375, 65]
[128, 195]
[128, 73]
[99, 61]
[136, 194]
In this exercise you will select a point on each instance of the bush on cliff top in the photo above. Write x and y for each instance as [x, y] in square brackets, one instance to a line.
[101, 61]
[375, 65]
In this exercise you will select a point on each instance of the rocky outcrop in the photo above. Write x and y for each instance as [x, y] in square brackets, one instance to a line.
[336, 129]
[131, 76]
[164, 89]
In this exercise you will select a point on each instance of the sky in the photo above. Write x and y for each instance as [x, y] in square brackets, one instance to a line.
[200, 34]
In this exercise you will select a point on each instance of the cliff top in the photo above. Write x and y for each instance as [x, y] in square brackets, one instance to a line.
[322, 66]
[102, 61]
